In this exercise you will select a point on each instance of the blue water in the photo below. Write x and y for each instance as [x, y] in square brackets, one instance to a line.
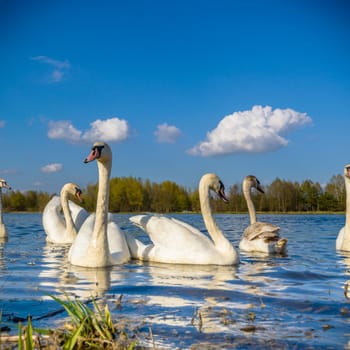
[296, 301]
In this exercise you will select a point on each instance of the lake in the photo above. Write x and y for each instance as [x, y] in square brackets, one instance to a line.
[297, 301]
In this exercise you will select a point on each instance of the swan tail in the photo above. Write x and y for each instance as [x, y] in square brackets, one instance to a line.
[140, 220]
[281, 245]
[136, 247]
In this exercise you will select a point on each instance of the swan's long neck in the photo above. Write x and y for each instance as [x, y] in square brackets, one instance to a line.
[215, 233]
[70, 227]
[250, 204]
[99, 236]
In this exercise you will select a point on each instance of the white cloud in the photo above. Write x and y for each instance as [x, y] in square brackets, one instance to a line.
[56, 63]
[2, 123]
[109, 130]
[63, 130]
[52, 168]
[113, 129]
[59, 67]
[167, 133]
[57, 76]
[254, 131]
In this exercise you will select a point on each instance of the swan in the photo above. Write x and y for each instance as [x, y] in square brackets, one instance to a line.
[63, 230]
[100, 242]
[3, 229]
[259, 236]
[177, 242]
[343, 239]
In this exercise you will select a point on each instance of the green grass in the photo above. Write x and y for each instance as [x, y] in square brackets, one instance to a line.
[87, 329]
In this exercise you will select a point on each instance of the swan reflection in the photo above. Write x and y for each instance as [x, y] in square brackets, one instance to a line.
[199, 276]
[90, 282]
[260, 277]
[58, 276]
[345, 258]
[172, 293]
[3, 241]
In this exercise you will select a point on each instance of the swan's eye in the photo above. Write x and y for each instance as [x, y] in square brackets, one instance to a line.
[98, 149]
[77, 190]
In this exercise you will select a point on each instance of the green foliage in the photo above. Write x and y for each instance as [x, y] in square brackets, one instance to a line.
[27, 334]
[92, 329]
[20, 337]
[87, 329]
[130, 194]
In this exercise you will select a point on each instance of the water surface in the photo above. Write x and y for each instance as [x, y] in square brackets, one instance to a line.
[296, 301]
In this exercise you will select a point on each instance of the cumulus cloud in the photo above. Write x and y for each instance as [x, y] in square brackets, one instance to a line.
[167, 133]
[113, 129]
[63, 129]
[254, 131]
[109, 130]
[60, 68]
[52, 168]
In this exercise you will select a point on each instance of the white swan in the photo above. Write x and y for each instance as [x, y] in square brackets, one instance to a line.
[177, 242]
[100, 242]
[259, 236]
[3, 229]
[63, 229]
[343, 239]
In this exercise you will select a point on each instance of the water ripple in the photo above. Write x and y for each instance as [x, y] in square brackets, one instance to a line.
[296, 301]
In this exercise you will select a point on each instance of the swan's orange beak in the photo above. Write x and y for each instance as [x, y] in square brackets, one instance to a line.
[92, 156]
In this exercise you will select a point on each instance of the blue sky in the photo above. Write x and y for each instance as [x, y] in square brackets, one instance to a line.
[177, 88]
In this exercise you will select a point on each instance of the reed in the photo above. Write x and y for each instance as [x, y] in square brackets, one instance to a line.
[86, 329]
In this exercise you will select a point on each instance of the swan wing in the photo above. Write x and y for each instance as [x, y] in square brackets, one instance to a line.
[79, 214]
[80, 245]
[52, 219]
[118, 246]
[189, 227]
[168, 232]
[261, 230]
[340, 239]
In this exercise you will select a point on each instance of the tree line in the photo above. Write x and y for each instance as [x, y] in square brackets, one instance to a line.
[130, 194]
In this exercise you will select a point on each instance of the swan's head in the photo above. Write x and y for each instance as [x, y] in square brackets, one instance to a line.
[213, 182]
[252, 181]
[4, 184]
[99, 151]
[347, 171]
[72, 189]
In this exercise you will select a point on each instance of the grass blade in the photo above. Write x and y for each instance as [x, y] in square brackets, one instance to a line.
[29, 336]
[20, 339]
[70, 344]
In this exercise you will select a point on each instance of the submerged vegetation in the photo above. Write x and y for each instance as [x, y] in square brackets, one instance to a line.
[130, 194]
